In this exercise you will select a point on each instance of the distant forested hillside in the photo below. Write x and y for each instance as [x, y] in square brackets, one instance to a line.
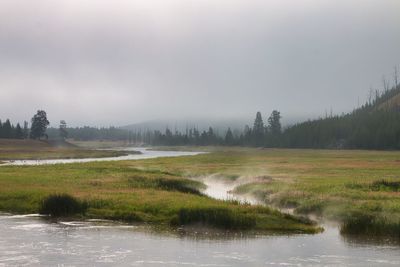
[375, 125]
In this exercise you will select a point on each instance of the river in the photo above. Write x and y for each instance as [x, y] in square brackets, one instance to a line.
[144, 153]
[31, 240]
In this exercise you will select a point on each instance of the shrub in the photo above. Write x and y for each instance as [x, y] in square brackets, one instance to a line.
[384, 185]
[370, 225]
[168, 184]
[62, 205]
[180, 185]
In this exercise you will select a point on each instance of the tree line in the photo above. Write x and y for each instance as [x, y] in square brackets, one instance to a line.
[374, 125]
[37, 130]
[258, 135]
[8, 130]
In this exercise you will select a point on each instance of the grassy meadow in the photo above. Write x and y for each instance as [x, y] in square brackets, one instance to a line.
[154, 191]
[15, 149]
[358, 189]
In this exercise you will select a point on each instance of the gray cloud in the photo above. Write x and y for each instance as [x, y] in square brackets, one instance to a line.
[116, 62]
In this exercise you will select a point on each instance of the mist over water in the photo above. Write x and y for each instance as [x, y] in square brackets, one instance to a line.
[219, 187]
[32, 240]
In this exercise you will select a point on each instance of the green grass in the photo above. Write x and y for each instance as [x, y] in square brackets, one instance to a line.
[154, 191]
[98, 144]
[332, 184]
[15, 149]
[385, 185]
[168, 184]
[370, 225]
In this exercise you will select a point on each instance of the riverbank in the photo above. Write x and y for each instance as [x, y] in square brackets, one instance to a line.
[359, 190]
[15, 149]
[356, 189]
[153, 191]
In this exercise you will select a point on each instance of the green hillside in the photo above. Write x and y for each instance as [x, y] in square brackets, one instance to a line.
[375, 125]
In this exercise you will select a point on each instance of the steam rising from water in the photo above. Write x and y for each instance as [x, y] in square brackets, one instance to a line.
[220, 187]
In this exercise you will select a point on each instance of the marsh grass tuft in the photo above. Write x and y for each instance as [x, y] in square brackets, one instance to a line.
[167, 184]
[370, 225]
[62, 205]
[180, 185]
[384, 185]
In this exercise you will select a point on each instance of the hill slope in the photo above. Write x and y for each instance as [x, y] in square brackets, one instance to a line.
[376, 125]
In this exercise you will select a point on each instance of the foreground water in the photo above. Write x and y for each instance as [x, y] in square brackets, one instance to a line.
[36, 241]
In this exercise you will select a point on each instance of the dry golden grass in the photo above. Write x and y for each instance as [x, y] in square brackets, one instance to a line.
[13, 149]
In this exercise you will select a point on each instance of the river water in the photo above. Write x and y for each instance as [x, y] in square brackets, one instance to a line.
[31, 240]
[144, 154]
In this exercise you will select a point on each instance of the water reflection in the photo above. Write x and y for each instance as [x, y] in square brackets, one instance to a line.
[370, 240]
[144, 154]
[33, 241]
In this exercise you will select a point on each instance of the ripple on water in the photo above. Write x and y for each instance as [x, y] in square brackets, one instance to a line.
[30, 226]
[174, 263]
[21, 260]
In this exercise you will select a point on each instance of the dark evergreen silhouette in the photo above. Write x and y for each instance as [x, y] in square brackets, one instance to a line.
[25, 130]
[7, 129]
[18, 133]
[63, 130]
[39, 125]
[229, 138]
[274, 123]
[258, 133]
[1, 130]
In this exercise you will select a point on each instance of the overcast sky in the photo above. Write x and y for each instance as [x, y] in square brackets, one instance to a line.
[117, 62]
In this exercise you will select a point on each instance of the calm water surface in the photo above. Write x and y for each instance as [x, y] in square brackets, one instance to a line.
[35, 241]
[144, 154]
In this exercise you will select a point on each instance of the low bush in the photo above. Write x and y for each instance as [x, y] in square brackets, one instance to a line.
[168, 184]
[180, 185]
[370, 225]
[384, 185]
[62, 205]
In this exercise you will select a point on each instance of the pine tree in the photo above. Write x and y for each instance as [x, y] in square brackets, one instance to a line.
[19, 134]
[39, 124]
[258, 130]
[229, 139]
[63, 130]
[7, 129]
[274, 123]
[26, 130]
